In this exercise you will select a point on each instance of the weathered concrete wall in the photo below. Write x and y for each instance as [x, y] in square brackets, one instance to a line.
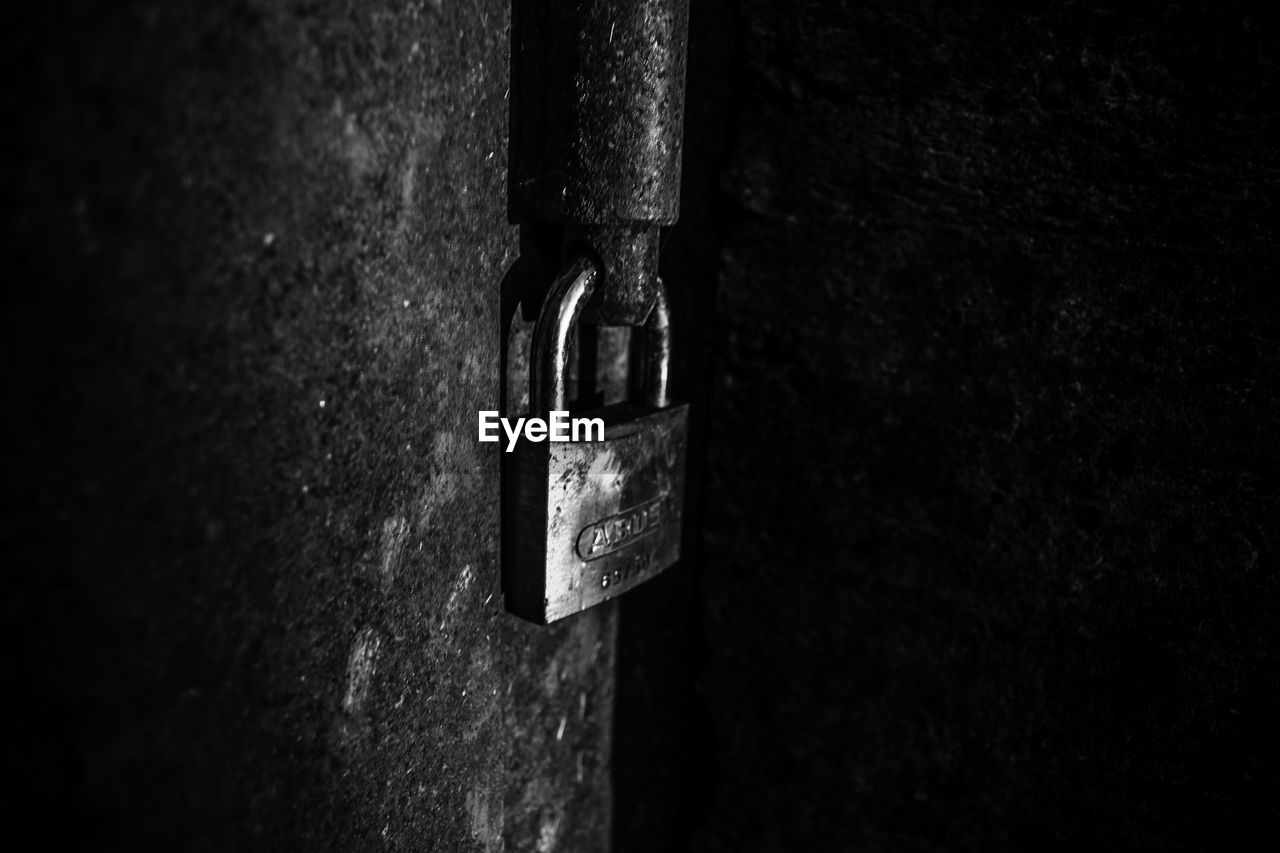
[251, 310]
[992, 512]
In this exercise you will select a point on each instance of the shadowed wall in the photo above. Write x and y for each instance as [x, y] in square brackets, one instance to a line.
[251, 310]
[991, 521]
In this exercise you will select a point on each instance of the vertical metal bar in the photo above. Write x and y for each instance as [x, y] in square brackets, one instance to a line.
[597, 122]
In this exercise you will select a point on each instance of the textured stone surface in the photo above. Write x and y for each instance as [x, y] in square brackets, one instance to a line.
[251, 310]
[992, 511]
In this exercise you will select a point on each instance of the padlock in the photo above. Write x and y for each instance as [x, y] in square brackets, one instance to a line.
[584, 521]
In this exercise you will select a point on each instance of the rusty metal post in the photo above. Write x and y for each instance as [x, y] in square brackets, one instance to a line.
[597, 121]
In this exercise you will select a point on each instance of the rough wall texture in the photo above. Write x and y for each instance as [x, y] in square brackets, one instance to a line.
[251, 310]
[992, 513]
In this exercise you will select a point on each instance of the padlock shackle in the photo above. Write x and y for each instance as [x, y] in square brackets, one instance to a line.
[651, 360]
[553, 335]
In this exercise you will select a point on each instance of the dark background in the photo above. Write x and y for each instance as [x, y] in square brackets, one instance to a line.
[978, 308]
[991, 511]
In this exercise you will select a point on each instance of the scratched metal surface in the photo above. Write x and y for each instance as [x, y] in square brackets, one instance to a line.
[254, 538]
[568, 492]
[604, 157]
[609, 151]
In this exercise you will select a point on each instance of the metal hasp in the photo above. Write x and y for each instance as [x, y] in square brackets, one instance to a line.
[597, 121]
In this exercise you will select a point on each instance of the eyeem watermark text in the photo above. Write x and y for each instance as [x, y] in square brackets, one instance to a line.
[560, 427]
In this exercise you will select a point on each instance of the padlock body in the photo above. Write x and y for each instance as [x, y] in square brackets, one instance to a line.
[584, 521]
